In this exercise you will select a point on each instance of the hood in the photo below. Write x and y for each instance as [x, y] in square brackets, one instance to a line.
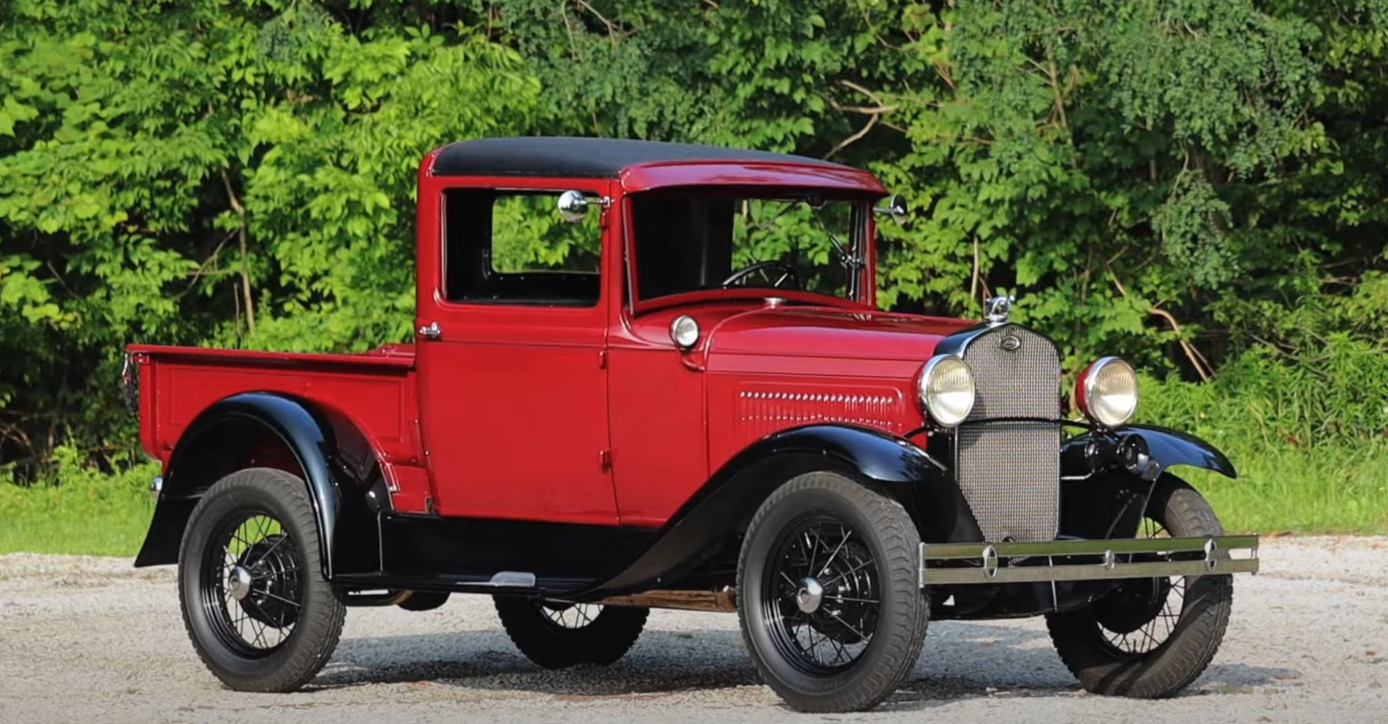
[826, 333]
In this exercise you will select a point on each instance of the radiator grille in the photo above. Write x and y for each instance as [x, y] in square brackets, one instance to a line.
[1010, 471]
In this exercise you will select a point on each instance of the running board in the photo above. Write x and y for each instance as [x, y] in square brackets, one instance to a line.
[996, 563]
[509, 583]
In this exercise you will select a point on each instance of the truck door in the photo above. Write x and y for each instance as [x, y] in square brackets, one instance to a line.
[511, 359]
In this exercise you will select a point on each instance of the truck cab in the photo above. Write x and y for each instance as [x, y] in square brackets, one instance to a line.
[652, 375]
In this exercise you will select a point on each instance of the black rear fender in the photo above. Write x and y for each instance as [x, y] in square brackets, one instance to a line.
[255, 429]
[724, 506]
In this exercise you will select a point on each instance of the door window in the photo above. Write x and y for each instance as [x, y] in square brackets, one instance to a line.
[513, 247]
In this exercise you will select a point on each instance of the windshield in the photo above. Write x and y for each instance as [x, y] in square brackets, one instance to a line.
[688, 242]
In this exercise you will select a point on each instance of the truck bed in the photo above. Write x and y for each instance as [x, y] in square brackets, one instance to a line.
[375, 390]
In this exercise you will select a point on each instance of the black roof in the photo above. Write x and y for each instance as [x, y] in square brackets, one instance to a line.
[584, 157]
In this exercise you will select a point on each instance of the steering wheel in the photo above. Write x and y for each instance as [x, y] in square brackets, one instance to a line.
[787, 272]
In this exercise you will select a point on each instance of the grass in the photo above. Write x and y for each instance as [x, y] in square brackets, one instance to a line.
[88, 513]
[1300, 491]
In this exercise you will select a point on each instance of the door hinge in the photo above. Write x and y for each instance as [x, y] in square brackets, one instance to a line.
[602, 359]
[605, 460]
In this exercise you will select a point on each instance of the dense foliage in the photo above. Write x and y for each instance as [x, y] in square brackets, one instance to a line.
[1196, 184]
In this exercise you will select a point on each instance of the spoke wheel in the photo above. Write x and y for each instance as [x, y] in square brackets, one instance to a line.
[255, 603]
[1150, 638]
[829, 598]
[256, 592]
[822, 603]
[560, 634]
[571, 615]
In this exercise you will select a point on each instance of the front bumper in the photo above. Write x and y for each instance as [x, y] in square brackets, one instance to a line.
[1084, 560]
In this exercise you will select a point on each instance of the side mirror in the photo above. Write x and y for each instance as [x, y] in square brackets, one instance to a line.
[573, 206]
[896, 207]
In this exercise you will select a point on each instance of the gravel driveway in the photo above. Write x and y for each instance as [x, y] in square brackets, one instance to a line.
[92, 639]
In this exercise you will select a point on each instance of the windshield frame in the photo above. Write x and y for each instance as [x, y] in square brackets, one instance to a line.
[859, 296]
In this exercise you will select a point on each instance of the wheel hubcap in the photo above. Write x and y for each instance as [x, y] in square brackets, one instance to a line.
[239, 583]
[810, 595]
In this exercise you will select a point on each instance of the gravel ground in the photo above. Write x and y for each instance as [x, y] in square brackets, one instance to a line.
[92, 639]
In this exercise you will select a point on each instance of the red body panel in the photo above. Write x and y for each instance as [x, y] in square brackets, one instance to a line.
[582, 415]
[375, 391]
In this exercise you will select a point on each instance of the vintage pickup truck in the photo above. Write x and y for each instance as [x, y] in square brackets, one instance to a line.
[654, 375]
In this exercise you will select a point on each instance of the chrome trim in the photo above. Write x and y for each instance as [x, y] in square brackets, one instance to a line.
[923, 377]
[431, 330]
[1214, 559]
[678, 328]
[810, 595]
[521, 579]
[997, 309]
[1094, 368]
[156, 486]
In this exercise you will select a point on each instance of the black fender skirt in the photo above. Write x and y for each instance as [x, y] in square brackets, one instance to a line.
[206, 450]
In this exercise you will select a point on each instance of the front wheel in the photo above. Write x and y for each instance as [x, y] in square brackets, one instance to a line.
[829, 596]
[255, 603]
[1152, 637]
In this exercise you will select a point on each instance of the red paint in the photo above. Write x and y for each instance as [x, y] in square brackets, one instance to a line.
[580, 414]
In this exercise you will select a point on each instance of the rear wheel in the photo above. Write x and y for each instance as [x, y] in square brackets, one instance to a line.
[557, 635]
[1152, 637]
[255, 603]
[423, 600]
[829, 597]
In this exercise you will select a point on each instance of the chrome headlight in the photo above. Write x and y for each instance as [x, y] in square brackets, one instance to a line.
[1107, 391]
[946, 387]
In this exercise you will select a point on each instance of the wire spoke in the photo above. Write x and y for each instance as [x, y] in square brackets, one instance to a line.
[846, 599]
[281, 598]
[850, 626]
[842, 542]
[269, 550]
[849, 572]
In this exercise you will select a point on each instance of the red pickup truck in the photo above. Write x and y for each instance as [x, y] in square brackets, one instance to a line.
[654, 375]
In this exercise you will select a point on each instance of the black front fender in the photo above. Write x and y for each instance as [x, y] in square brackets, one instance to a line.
[726, 503]
[1107, 476]
[1096, 452]
[1173, 447]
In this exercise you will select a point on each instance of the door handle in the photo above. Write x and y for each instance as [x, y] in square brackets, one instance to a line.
[431, 330]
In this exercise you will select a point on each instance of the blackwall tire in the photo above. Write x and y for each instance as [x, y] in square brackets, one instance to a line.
[253, 535]
[556, 636]
[1191, 637]
[873, 645]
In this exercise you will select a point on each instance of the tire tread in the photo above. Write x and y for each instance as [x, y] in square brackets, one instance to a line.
[319, 628]
[1191, 646]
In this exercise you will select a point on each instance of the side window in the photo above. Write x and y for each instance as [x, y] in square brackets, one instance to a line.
[513, 247]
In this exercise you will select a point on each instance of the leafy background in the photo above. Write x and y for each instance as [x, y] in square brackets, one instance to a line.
[1195, 184]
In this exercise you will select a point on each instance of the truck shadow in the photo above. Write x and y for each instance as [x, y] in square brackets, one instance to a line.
[960, 661]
